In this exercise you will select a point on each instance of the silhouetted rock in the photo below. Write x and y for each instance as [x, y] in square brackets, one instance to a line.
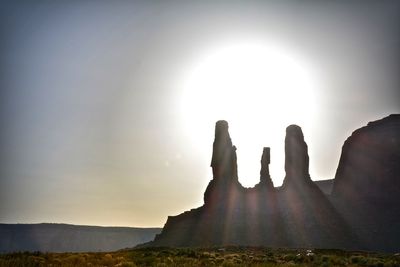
[265, 178]
[367, 183]
[307, 215]
[364, 202]
[225, 181]
[325, 185]
[296, 157]
[369, 167]
[223, 162]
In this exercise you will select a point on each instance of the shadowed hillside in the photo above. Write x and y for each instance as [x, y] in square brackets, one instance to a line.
[70, 238]
[364, 200]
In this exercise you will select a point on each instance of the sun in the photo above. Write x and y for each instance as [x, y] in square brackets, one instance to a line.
[259, 89]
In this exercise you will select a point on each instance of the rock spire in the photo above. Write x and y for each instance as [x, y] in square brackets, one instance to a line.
[224, 161]
[365, 198]
[296, 156]
[265, 178]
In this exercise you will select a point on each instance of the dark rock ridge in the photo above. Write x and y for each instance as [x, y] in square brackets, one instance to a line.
[299, 214]
[367, 183]
[369, 167]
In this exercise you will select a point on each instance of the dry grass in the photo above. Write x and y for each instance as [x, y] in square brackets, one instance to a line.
[230, 256]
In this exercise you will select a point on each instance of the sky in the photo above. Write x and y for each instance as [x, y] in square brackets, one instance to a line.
[108, 107]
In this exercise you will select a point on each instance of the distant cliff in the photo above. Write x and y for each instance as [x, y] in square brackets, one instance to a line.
[70, 238]
[299, 214]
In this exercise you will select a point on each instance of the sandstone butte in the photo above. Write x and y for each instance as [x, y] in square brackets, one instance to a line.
[361, 213]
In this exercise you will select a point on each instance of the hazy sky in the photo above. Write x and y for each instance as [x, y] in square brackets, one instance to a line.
[97, 125]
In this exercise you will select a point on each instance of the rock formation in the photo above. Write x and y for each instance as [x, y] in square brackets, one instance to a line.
[223, 162]
[307, 215]
[225, 181]
[265, 178]
[325, 186]
[364, 201]
[367, 183]
[296, 157]
[369, 167]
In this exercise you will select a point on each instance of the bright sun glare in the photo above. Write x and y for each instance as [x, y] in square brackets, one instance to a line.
[259, 89]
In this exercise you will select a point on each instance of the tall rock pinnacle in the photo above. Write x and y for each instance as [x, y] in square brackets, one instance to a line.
[296, 156]
[224, 161]
[224, 167]
[265, 178]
